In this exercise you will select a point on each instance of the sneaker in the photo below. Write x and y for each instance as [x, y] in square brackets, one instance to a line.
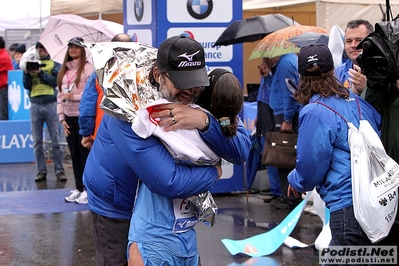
[282, 203]
[269, 198]
[61, 175]
[73, 197]
[82, 198]
[41, 176]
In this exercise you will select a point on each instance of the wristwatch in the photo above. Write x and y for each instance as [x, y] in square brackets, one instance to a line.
[206, 124]
[287, 121]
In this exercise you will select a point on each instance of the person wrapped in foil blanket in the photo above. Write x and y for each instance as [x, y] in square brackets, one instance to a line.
[124, 71]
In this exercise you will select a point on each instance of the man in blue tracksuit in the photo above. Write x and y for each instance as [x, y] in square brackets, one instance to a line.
[119, 158]
[285, 109]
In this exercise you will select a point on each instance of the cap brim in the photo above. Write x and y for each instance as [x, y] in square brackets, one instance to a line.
[76, 43]
[189, 79]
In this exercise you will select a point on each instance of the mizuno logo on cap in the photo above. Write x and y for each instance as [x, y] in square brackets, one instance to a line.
[312, 58]
[190, 61]
[189, 57]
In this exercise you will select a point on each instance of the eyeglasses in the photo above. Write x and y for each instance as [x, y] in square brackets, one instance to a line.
[176, 88]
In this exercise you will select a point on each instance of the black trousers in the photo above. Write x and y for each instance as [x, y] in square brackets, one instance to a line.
[79, 153]
[110, 240]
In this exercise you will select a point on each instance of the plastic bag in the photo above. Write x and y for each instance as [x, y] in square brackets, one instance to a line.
[375, 180]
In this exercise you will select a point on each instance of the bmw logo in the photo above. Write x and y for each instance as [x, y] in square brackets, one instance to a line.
[199, 9]
[138, 9]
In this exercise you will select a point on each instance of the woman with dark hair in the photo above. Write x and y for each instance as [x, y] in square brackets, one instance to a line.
[71, 81]
[223, 99]
[323, 154]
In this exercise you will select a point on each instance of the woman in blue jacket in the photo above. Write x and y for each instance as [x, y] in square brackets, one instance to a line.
[323, 155]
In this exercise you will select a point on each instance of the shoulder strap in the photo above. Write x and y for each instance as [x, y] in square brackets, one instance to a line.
[358, 108]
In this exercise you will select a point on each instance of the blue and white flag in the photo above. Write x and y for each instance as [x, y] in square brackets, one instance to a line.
[266, 243]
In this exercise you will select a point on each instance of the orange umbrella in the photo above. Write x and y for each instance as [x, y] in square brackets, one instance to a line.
[276, 43]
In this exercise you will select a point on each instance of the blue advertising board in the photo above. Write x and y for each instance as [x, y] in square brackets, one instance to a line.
[18, 98]
[16, 142]
[151, 22]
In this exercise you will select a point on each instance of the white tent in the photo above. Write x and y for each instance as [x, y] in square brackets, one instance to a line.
[28, 14]
[333, 12]
[24, 14]
[86, 7]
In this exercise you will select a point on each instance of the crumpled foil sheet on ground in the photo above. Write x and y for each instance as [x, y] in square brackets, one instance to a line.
[205, 208]
[123, 70]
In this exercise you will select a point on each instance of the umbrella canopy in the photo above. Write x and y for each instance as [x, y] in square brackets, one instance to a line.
[309, 38]
[253, 29]
[61, 28]
[276, 43]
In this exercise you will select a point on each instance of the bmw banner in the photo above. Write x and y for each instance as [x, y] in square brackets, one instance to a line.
[151, 22]
[18, 98]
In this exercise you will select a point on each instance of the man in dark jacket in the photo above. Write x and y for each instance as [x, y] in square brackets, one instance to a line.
[40, 79]
[383, 92]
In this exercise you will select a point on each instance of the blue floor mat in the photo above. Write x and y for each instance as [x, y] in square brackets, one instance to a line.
[38, 201]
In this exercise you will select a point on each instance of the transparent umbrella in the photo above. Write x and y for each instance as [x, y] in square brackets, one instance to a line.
[61, 28]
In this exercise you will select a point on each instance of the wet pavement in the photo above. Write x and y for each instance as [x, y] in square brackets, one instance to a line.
[64, 238]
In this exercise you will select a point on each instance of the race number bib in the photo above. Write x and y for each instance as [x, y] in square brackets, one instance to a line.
[185, 217]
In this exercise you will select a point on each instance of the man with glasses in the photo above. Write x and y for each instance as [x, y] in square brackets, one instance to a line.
[119, 158]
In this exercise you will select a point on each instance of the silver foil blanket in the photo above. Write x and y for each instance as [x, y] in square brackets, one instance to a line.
[205, 208]
[123, 70]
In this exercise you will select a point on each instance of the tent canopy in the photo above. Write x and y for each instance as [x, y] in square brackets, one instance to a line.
[259, 4]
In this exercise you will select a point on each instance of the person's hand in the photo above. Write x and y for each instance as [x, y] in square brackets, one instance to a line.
[174, 116]
[286, 127]
[263, 70]
[219, 168]
[67, 96]
[357, 79]
[294, 192]
[66, 128]
[87, 142]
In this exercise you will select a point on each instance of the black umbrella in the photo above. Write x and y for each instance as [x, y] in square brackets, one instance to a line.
[309, 38]
[253, 29]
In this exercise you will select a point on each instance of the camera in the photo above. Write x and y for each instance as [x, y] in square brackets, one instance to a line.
[380, 57]
[32, 66]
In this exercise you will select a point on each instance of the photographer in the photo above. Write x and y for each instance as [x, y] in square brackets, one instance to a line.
[40, 79]
[379, 62]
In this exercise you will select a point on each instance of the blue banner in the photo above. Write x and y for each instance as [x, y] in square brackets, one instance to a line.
[16, 142]
[18, 98]
[266, 243]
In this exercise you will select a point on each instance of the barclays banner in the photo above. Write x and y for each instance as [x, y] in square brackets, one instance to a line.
[18, 98]
[16, 142]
